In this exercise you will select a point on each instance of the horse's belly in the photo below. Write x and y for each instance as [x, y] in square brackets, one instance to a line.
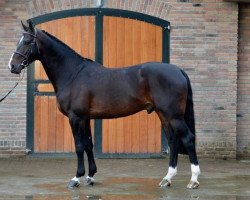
[107, 111]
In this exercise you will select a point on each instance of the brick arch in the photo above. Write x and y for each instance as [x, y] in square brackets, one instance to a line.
[156, 8]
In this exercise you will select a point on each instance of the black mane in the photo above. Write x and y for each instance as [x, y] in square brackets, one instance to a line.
[65, 45]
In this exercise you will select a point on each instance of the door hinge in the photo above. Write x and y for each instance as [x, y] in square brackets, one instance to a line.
[28, 151]
[167, 27]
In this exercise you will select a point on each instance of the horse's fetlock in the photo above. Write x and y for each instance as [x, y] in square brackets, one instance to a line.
[80, 173]
[93, 170]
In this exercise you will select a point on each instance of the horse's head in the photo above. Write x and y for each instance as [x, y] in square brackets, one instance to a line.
[26, 51]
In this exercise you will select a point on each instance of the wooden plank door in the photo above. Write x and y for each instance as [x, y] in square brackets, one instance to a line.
[52, 131]
[127, 42]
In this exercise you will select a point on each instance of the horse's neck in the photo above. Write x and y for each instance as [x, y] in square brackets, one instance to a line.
[58, 61]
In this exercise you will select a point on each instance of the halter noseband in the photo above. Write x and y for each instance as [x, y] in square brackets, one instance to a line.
[25, 62]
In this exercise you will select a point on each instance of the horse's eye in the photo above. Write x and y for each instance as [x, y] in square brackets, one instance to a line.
[26, 42]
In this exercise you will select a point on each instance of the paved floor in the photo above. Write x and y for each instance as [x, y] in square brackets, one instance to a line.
[118, 179]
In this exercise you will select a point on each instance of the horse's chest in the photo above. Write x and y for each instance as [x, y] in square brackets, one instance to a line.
[63, 101]
[61, 107]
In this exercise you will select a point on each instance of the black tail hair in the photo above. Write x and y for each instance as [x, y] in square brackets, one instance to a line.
[189, 114]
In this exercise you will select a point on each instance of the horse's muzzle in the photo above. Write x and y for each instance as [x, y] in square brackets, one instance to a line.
[16, 69]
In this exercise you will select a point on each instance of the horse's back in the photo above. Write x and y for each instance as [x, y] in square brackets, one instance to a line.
[164, 74]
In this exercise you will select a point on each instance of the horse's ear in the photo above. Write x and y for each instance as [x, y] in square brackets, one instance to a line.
[24, 26]
[31, 26]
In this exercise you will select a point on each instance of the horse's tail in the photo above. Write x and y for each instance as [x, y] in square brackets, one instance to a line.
[189, 114]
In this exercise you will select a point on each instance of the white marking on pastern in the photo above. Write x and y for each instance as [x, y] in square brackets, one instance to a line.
[171, 173]
[195, 169]
[76, 179]
[166, 181]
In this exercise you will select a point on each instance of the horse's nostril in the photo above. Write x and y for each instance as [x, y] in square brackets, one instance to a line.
[12, 66]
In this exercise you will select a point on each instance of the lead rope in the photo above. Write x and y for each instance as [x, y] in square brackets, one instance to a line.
[16, 84]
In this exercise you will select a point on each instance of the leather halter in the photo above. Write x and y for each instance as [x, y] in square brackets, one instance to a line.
[25, 62]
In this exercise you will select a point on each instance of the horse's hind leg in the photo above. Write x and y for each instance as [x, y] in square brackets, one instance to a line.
[88, 147]
[188, 139]
[172, 169]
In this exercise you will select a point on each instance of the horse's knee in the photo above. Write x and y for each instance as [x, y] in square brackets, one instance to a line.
[79, 148]
[88, 146]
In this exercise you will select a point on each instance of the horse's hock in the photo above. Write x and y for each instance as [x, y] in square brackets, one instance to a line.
[203, 41]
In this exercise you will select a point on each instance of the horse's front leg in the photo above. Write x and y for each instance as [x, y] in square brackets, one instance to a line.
[88, 147]
[77, 126]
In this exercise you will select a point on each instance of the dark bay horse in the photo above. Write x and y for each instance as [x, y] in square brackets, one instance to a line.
[87, 90]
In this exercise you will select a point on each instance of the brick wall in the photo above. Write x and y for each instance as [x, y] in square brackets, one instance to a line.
[13, 109]
[203, 42]
[243, 125]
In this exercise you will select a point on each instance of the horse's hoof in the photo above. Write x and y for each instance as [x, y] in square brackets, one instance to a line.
[73, 184]
[193, 185]
[165, 183]
[89, 181]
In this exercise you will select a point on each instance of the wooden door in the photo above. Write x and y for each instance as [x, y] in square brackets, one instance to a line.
[128, 42]
[52, 132]
[121, 41]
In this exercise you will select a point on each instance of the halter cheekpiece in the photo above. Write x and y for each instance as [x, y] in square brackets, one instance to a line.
[25, 62]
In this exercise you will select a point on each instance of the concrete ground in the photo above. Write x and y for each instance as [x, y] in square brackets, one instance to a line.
[118, 179]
